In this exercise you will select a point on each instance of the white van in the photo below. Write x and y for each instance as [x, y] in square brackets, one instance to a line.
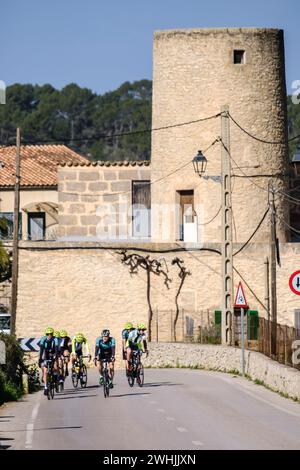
[5, 323]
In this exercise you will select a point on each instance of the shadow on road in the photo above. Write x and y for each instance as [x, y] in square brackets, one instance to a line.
[3, 446]
[57, 397]
[129, 394]
[61, 427]
[160, 384]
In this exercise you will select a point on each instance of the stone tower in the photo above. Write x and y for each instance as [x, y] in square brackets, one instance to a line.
[195, 73]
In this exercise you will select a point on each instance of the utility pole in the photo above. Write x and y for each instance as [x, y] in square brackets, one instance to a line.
[273, 274]
[267, 300]
[15, 262]
[227, 265]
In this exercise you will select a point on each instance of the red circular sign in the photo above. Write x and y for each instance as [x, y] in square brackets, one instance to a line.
[294, 282]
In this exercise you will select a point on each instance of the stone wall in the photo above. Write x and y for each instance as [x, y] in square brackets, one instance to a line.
[193, 77]
[85, 287]
[86, 193]
[226, 359]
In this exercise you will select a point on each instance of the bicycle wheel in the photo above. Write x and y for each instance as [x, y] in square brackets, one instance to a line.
[48, 383]
[56, 384]
[130, 378]
[51, 387]
[74, 378]
[140, 376]
[106, 384]
[83, 376]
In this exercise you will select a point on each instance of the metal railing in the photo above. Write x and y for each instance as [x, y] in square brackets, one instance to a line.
[279, 342]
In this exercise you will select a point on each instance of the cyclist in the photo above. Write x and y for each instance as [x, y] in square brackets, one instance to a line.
[128, 327]
[136, 342]
[48, 350]
[78, 342]
[105, 349]
[64, 349]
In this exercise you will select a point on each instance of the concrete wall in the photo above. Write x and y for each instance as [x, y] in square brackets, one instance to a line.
[193, 77]
[259, 367]
[88, 192]
[85, 287]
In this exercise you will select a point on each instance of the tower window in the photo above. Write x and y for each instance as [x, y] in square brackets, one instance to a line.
[239, 56]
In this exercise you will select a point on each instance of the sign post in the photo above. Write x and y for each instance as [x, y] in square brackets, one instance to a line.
[240, 302]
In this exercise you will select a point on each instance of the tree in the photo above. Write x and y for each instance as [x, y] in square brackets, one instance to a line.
[183, 273]
[151, 266]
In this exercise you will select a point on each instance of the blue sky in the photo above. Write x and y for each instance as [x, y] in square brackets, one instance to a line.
[100, 44]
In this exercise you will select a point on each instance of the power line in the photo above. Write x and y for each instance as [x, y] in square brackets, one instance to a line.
[121, 134]
[258, 138]
[150, 184]
[213, 218]
[288, 225]
[252, 235]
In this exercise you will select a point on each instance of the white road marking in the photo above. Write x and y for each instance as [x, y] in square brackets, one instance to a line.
[29, 427]
[161, 410]
[181, 429]
[169, 418]
[197, 443]
[153, 402]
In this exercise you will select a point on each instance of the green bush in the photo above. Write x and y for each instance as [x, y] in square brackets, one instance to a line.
[34, 382]
[11, 372]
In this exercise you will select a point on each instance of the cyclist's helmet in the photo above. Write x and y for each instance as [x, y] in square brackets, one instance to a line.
[128, 326]
[63, 334]
[79, 337]
[141, 326]
[49, 331]
[105, 333]
[56, 334]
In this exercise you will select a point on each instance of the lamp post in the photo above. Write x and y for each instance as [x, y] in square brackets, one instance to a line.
[200, 163]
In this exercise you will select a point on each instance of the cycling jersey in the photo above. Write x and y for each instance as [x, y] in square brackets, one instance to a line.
[64, 344]
[125, 334]
[77, 347]
[135, 340]
[105, 350]
[48, 348]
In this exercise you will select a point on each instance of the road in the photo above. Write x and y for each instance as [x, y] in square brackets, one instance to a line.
[176, 409]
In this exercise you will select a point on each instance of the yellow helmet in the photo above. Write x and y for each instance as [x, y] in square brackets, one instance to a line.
[56, 334]
[63, 334]
[49, 331]
[79, 337]
[141, 326]
[128, 326]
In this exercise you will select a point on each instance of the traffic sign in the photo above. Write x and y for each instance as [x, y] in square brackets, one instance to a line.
[30, 344]
[240, 298]
[294, 282]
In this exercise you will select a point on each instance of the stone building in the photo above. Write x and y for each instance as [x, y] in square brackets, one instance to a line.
[104, 207]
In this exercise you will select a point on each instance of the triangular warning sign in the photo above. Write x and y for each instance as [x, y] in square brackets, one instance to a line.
[240, 298]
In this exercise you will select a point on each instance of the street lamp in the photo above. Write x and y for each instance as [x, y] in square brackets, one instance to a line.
[199, 163]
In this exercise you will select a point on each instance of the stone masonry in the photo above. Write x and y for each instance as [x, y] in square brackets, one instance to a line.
[193, 77]
[87, 192]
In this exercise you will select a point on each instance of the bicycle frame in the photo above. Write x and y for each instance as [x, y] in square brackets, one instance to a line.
[106, 379]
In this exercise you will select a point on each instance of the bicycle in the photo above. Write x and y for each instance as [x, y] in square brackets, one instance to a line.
[64, 371]
[106, 378]
[50, 381]
[137, 369]
[79, 372]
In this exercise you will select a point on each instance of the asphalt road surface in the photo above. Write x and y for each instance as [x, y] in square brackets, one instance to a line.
[176, 409]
